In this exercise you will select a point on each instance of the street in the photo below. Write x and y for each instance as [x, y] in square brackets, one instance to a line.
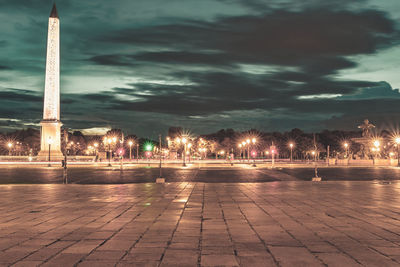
[226, 174]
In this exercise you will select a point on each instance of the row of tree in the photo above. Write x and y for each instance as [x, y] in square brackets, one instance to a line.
[27, 142]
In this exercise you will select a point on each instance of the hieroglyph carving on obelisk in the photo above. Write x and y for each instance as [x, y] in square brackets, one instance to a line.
[51, 124]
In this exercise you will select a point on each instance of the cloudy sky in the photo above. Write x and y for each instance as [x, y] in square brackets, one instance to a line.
[143, 66]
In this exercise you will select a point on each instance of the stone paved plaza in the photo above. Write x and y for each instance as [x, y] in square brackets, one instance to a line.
[292, 223]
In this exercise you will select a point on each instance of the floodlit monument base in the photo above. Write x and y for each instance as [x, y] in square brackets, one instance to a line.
[50, 138]
[316, 179]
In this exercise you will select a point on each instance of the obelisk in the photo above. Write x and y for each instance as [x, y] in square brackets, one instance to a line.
[50, 143]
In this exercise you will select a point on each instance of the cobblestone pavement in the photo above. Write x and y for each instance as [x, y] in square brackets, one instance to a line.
[292, 223]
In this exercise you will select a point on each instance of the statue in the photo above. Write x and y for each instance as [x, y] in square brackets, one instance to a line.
[366, 128]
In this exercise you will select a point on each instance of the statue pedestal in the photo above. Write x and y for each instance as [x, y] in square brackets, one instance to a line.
[50, 139]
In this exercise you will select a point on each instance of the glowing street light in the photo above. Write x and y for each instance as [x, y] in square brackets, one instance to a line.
[149, 147]
[137, 152]
[248, 149]
[377, 143]
[9, 148]
[109, 141]
[253, 142]
[291, 151]
[184, 141]
[397, 140]
[130, 143]
[346, 147]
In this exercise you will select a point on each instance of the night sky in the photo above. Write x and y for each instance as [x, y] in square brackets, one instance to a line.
[143, 66]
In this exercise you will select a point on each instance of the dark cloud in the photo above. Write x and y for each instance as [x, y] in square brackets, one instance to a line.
[4, 68]
[185, 57]
[112, 60]
[264, 6]
[281, 37]
[10, 94]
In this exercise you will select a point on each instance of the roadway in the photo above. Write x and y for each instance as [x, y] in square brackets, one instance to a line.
[239, 173]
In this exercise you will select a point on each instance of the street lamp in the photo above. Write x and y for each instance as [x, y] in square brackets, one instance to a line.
[240, 148]
[315, 155]
[109, 141]
[291, 152]
[273, 157]
[204, 150]
[184, 141]
[49, 141]
[9, 148]
[137, 152]
[346, 147]
[254, 153]
[248, 149]
[130, 149]
[397, 140]
[377, 144]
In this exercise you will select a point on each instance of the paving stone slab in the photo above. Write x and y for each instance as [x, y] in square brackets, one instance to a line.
[237, 224]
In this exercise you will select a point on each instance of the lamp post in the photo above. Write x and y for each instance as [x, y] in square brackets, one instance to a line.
[9, 148]
[397, 140]
[159, 138]
[222, 153]
[240, 149]
[291, 152]
[49, 141]
[254, 140]
[204, 153]
[130, 149]
[273, 157]
[109, 140]
[346, 147]
[137, 152]
[248, 149]
[184, 141]
[244, 150]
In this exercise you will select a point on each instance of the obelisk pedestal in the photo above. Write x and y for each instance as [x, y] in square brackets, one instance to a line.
[51, 125]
